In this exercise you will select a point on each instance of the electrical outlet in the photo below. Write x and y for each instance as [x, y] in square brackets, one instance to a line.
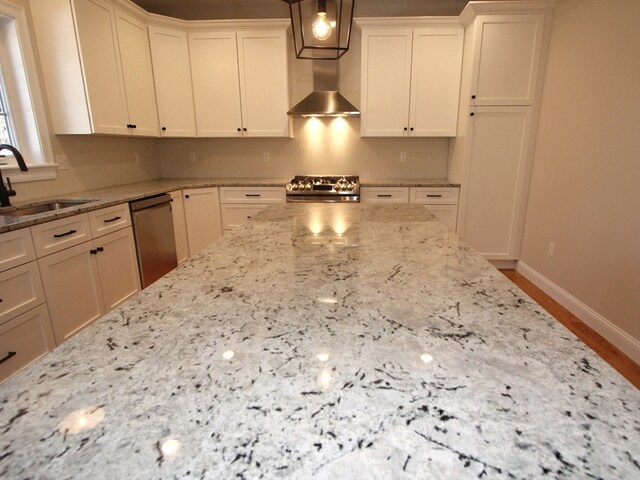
[551, 248]
[63, 162]
[192, 157]
[267, 157]
[403, 156]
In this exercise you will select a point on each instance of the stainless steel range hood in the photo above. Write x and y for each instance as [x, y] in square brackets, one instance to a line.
[325, 100]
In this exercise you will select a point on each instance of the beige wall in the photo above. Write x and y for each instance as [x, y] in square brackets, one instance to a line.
[324, 146]
[585, 191]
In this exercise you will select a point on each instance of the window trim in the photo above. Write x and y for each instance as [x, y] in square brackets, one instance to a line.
[24, 94]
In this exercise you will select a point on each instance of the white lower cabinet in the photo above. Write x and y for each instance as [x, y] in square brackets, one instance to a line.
[72, 286]
[202, 213]
[441, 201]
[384, 194]
[179, 226]
[23, 340]
[91, 275]
[238, 204]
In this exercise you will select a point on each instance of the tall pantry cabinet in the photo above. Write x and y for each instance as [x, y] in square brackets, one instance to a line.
[503, 67]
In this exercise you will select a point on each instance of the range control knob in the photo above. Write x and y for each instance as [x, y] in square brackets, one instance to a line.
[307, 186]
[289, 187]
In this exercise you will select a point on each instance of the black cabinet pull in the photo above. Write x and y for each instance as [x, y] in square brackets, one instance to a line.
[164, 129]
[473, 97]
[109, 220]
[433, 196]
[100, 249]
[239, 129]
[70, 232]
[129, 125]
[244, 129]
[93, 251]
[411, 129]
[384, 196]
[134, 126]
[8, 356]
[248, 217]
[186, 196]
[251, 194]
[471, 114]
[405, 129]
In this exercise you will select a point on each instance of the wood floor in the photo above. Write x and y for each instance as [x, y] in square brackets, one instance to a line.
[614, 357]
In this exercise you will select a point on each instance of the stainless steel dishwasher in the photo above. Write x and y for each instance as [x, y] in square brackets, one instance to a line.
[155, 240]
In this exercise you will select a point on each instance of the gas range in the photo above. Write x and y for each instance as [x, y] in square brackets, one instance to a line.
[324, 188]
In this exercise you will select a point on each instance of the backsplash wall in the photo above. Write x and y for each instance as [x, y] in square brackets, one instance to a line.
[319, 146]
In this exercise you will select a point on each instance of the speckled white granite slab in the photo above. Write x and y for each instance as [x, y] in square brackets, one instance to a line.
[329, 311]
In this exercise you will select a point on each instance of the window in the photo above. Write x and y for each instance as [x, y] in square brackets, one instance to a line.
[22, 114]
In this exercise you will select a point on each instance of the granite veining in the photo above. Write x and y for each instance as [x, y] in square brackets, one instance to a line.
[324, 341]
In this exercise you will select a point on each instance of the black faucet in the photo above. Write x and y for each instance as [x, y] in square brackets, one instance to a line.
[6, 192]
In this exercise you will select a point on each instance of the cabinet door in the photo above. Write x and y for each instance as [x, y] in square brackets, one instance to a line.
[98, 44]
[117, 267]
[72, 287]
[138, 75]
[23, 340]
[216, 84]
[506, 76]
[202, 211]
[172, 76]
[435, 82]
[264, 83]
[179, 226]
[496, 186]
[386, 82]
[20, 290]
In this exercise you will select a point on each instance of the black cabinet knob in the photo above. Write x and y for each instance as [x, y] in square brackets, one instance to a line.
[471, 114]
[244, 129]
[405, 129]
[100, 249]
[411, 129]
[93, 251]
[186, 196]
[164, 129]
[473, 97]
[134, 126]
[239, 129]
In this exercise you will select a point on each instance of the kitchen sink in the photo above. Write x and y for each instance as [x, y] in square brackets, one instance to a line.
[41, 207]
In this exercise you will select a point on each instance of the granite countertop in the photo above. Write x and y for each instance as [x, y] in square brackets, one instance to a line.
[105, 197]
[324, 341]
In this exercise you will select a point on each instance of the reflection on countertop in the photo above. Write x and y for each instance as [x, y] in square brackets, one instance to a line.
[397, 354]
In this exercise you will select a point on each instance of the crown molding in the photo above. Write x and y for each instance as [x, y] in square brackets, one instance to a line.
[475, 8]
[407, 22]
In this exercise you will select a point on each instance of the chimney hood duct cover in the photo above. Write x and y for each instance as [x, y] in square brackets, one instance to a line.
[325, 100]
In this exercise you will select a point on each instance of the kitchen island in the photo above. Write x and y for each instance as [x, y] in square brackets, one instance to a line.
[324, 341]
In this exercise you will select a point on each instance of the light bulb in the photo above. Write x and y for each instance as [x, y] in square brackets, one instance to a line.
[321, 27]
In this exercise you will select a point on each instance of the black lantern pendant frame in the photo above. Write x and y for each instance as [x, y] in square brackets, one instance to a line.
[304, 42]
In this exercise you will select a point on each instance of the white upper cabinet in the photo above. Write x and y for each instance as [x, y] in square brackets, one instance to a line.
[135, 55]
[216, 83]
[90, 89]
[240, 83]
[411, 81]
[172, 74]
[506, 59]
[262, 59]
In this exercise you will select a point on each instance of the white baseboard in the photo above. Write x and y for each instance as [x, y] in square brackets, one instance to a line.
[622, 340]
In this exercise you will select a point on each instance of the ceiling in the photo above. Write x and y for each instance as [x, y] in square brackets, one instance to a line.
[225, 9]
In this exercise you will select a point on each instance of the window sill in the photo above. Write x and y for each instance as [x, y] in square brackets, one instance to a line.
[36, 172]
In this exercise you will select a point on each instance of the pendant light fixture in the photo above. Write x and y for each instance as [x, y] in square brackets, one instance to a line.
[321, 28]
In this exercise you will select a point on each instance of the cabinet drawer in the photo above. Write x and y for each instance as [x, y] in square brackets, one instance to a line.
[252, 195]
[384, 194]
[20, 290]
[234, 215]
[16, 248]
[110, 219]
[434, 195]
[23, 340]
[59, 234]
